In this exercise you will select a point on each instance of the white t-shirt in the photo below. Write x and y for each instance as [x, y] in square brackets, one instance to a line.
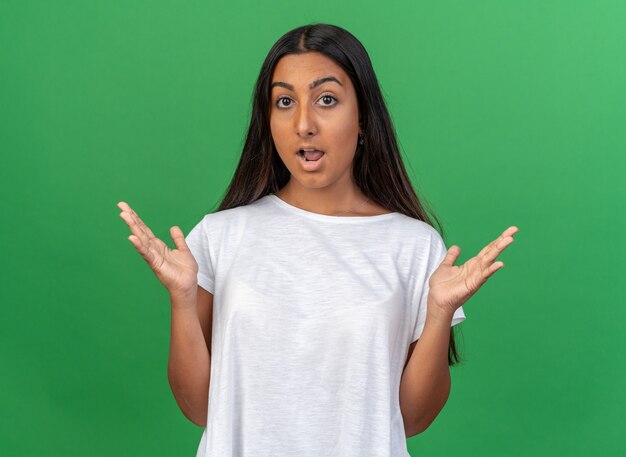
[313, 316]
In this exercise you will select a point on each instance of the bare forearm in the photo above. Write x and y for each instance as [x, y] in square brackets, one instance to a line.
[189, 360]
[425, 383]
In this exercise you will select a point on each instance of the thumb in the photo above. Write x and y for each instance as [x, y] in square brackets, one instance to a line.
[452, 255]
[179, 238]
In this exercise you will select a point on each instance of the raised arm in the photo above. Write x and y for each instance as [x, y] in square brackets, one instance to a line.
[191, 310]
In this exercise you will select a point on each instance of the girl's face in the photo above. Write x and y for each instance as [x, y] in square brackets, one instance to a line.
[314, 105]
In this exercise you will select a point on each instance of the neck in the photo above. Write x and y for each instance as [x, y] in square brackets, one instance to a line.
[326, 200]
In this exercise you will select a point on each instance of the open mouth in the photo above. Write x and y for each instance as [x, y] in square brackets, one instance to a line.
[310, 155]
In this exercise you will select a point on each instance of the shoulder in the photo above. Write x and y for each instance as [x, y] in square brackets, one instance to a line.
[415, 242]
[413, 228]
[232, 219]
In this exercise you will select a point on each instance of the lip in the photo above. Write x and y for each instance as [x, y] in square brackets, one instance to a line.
[308, 146]
[312, 165]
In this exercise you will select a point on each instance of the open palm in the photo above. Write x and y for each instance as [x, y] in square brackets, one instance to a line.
[176, 268]
[451, 286]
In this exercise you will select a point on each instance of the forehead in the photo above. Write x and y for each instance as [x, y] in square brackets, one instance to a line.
[302, 69]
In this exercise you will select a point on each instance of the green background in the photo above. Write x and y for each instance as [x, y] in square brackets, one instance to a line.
[507, 112]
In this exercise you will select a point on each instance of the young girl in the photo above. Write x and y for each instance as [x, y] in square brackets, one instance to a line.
[312, 313]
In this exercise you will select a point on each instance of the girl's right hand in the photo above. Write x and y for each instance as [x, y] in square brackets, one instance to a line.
[176, 269]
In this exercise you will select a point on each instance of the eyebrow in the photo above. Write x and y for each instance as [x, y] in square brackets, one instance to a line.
[312, 86]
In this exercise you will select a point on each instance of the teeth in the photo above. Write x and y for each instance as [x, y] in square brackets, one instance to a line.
[303, 150]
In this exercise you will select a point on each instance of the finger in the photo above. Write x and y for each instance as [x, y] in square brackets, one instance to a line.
[495, 267]
[493, 249]
[480, 276]
[451, 256]
[489, 246]
[134, 222]
[139, 239]
[143, 226]
[483, 275]
[144, 250]
[497, 249]
[124, 207]
[134, 228]
[179, 238]
[140, 223]
[512, 230]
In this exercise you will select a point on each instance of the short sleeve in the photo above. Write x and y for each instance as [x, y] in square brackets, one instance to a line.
[436, 255]
[198, 242]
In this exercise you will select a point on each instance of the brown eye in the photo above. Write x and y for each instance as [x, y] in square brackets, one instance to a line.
[328, 99]
[288, 100]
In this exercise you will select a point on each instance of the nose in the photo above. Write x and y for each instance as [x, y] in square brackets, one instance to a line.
[305, 121]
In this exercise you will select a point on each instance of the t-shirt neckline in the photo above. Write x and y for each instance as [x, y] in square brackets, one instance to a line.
[324, 217]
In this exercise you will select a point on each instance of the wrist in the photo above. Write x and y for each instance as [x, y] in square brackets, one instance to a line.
[184, 299]
[439, 314]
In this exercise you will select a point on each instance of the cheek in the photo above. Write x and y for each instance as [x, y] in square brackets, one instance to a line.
[344, 134]
[280, 139]
[275, 131]
[347, 125]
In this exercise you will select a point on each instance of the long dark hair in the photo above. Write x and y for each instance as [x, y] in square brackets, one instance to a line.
[378, 168]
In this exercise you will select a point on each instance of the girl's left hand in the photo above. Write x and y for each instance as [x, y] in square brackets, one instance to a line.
[451, 286]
